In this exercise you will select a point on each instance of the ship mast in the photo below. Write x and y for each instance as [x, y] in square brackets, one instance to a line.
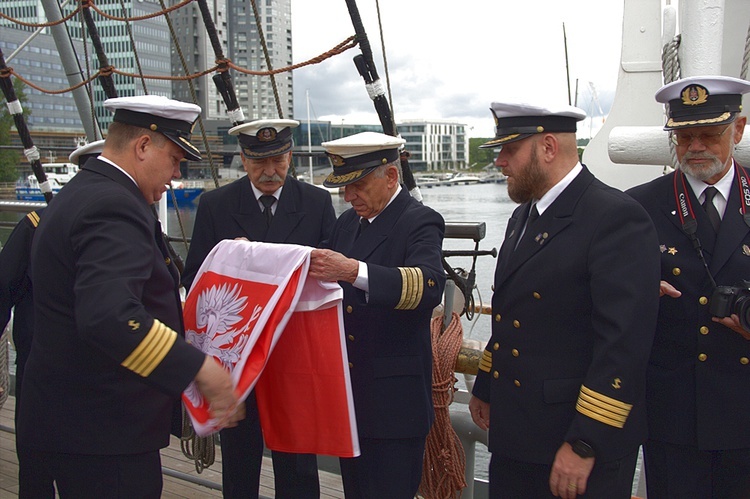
[72, 69]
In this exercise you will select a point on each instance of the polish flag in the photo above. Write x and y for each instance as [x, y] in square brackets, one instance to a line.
[245, 295]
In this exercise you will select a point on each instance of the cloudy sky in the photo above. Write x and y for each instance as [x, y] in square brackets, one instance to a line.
[449, 60]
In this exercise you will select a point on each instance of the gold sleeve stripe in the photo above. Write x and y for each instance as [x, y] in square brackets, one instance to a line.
[412, 288]
[151, 350]
[486, 363]
[602, 408]
[33, 218]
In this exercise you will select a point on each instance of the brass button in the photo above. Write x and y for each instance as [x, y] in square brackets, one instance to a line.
[496, 346]
[351, 365]
[348, 309]
[702, 357]
[514, 352]
[517, 383]
[703, 300]
[676, 271]
[703, 330]
[537, 295]
[495, 374]
[744, 361]
[167, 260]
[516, 324]
[497, 317]
[351, 337]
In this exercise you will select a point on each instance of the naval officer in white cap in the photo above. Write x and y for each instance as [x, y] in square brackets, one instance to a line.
[561, 383]
[386, 254]
[108, 362]
[698, 409]
[266, 205]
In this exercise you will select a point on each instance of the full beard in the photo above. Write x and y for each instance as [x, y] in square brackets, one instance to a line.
[704, 173]
[523, 186]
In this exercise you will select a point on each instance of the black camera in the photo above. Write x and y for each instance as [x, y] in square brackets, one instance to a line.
[728, 300]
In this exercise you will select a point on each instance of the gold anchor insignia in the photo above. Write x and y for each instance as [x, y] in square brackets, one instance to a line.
[616, 384]
[430, 283]
[134, 325]
[672, 250]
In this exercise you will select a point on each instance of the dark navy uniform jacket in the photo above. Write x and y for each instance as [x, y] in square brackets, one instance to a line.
[107, 362]
[15, 286]
[699, 372]
[574, 310]
[388, 333]
[304, 215]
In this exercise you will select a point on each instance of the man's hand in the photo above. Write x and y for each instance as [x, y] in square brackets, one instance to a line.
[733, 323]
[480, 412]
[570, 473]
[667, 289]
[215, 383]
[327, 265]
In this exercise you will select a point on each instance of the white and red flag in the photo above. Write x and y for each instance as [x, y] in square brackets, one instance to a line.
[245, 295]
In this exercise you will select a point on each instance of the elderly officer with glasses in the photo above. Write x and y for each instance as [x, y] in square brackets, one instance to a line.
[699, 370]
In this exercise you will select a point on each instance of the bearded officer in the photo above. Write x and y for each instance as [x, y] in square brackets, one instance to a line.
[698, 374]
[561, 383]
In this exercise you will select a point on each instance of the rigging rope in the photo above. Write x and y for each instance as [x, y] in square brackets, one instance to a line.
[4, 366]
[262, 38]
[385, 62]
[670, 63]
[746, 55]
[444, 462]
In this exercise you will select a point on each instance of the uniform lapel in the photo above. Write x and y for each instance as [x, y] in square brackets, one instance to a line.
[732, 232]
[553, 221]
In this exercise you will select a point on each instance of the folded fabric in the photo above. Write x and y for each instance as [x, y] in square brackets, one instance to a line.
[253, 308]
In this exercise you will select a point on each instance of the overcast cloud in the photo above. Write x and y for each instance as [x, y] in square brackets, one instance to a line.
[449, 60]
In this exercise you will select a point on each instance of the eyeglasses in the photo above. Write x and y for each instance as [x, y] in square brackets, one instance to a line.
[707, 139]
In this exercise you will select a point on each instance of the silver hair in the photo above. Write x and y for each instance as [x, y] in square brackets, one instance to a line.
[380, 170]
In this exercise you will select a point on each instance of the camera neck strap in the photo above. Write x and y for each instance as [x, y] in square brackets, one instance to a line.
[687, 218]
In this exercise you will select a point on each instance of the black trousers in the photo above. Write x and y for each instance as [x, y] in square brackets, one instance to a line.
[510, 479]
[295, 475]
[679, 471]
[387, 468]
[79, 476]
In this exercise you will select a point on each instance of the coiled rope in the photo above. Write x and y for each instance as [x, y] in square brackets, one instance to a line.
[445, 459]
[201, 450]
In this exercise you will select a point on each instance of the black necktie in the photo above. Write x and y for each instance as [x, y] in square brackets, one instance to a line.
[363, 224]
[533, 215]
[267, 201]
[711, 211]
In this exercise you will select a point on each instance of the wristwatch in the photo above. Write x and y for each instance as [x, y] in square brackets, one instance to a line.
[582, 449]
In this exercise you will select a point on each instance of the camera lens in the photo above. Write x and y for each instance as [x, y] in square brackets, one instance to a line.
[742, 309]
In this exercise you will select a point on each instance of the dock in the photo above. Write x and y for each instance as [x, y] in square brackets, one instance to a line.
[181, 480]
